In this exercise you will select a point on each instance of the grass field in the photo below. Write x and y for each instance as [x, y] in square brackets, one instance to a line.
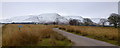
[43, 35]
[32, 35]
[108, 34]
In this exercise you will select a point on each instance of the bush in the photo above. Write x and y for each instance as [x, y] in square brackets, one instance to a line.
[77, 32]
[70, 30]
[62, 28]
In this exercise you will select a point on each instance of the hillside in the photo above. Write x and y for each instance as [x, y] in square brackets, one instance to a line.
[46, 18]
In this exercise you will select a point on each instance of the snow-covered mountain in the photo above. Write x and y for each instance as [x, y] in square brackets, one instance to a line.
[46, 18]
[51, 17]
[17, 19]
[42, 18]
[5, 21]
[75, 17]
[95, 20]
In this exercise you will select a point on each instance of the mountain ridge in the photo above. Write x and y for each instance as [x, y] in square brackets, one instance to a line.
[45, 18]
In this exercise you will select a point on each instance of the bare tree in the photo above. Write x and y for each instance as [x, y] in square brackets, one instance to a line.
[114, 19]
[103, 21]
[57, 21]
[73, 22]
[87, 21]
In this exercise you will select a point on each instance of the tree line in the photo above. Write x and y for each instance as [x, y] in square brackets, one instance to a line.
[113, 20]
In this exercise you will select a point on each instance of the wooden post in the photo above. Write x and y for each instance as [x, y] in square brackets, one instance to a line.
[19, 29]
[20, 26]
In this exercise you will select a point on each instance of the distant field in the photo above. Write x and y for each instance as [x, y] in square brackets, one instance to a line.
[108, 34]
[32, 35]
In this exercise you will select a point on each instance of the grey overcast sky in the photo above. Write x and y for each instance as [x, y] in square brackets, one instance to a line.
[84, 9]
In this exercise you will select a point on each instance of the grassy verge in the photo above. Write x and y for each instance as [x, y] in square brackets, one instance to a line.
[103, 35]
[32, 35]
[53, 42]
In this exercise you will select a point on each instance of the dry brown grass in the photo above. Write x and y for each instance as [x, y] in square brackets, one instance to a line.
[108, 33]
[30, 35]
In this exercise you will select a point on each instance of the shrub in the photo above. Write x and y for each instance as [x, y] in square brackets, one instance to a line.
[77, 32]
[70, 30]
[62, 28]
